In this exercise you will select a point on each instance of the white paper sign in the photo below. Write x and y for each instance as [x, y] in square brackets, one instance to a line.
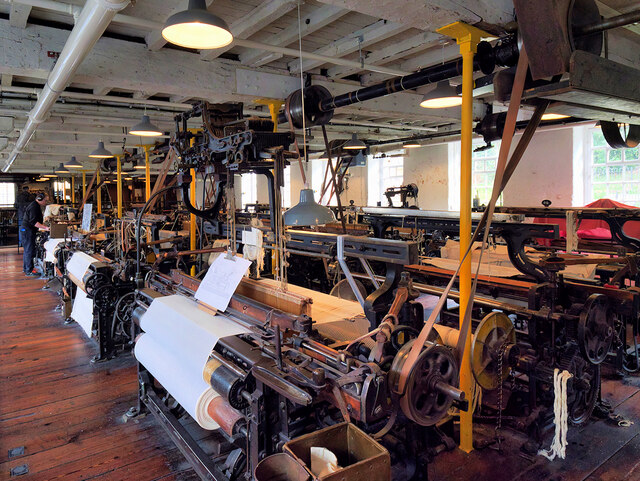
[86, 217]
[221, 281]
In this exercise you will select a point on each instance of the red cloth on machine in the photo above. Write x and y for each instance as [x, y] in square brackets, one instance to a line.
[592, 228]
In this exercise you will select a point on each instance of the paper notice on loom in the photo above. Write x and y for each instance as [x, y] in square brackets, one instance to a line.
[221, 281]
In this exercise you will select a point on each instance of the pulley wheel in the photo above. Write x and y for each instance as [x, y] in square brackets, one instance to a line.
[105, 297]
[581, 13]
[620, 136]
[93, 282]
[492, 335]
[313, 95]
[582, 397]
[595, 329]
[423, 402]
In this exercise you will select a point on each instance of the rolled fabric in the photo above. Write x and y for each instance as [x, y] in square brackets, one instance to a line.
[82, 311]
[50, 249]
[177, 323]
[183, 382]
[79, 263]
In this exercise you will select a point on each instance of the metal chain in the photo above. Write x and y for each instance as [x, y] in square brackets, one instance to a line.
[501, 352]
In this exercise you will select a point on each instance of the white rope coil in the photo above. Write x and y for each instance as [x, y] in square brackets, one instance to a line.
[561, 417]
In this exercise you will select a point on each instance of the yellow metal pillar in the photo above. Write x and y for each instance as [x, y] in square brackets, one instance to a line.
[119, 185]
[84, 184]
[98, 195]
[73, 189]
[147, 173]
[192, 217]
[468, 38]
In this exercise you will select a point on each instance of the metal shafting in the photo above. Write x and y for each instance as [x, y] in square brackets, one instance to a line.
[609, 23]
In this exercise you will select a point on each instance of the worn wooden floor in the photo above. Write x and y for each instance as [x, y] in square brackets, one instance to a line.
[67, 412]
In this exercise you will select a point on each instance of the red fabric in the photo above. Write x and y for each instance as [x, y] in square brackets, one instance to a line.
[594, 229]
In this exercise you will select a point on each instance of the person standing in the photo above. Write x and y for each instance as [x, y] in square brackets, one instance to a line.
[31, 223]
[23, 199]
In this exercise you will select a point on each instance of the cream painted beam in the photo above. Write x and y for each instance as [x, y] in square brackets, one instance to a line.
[253, 22]
[6, 80]
[319, 18]
[116, 63]
[19, 14]
[405, 48]
[364, 37]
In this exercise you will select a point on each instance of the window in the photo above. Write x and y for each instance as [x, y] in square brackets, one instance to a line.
[7, 194]
[611, 173]
[249, 186]
[484, 164]
[385, 172]
[483, 171]
[286, 195]
[318, 170]
[60, 187]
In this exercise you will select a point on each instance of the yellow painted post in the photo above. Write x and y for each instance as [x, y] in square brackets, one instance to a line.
[84, 184]
[73, 189]
[147, 173]
[119, 186]
[468, 38]
[192, 218]
[99, 195]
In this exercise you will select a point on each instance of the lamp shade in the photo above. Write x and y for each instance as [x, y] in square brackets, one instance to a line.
[308, 211]
[443, 96]
[552, 116]
[354, 144]
[411, 144]
[61, 169]
[101, 152]
[145, 128]
[197, 28]
[73, 164]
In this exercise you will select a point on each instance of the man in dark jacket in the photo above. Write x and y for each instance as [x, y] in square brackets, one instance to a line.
[23, 199]
[31, 223]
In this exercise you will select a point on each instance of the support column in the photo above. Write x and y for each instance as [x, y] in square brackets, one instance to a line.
[468, 38]
[147, 173]
[98, 195]
[84, 184]
[73, 190]
[119, 184]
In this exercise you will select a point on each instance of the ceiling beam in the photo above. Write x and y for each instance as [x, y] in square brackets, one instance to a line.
[254, 21]
[6, 80]
[19, 14]
[319, 18]
[364, 37]
[115, 63]
[405, 48]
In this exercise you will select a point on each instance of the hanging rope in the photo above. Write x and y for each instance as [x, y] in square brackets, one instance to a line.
[561, 416]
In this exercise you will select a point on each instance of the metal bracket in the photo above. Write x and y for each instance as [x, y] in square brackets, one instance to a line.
[15, 452]
[20, 470]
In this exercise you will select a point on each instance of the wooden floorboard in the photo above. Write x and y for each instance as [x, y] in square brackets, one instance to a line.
[64, 410]
[67, 412]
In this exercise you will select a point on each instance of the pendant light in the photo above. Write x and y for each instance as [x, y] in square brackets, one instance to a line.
[197, 28]
[443, 96]
[73, 164]
[145, 128]
[354, 144]
[100, 152]
[411, 144]
[308, 212]
[61, 169]
[552, 116]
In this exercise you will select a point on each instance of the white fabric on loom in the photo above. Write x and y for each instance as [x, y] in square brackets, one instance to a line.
[185, 385]
[79, 263]
[179, 336]
[50, 249]
[82, 311]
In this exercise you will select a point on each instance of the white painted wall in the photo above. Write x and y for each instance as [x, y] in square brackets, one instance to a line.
[545, 171]
[427, 167]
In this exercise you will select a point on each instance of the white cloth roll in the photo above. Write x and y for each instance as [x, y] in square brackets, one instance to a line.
[186, 385]
[82, 311]
[50, 249]
[79, 263]
[179, 324]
